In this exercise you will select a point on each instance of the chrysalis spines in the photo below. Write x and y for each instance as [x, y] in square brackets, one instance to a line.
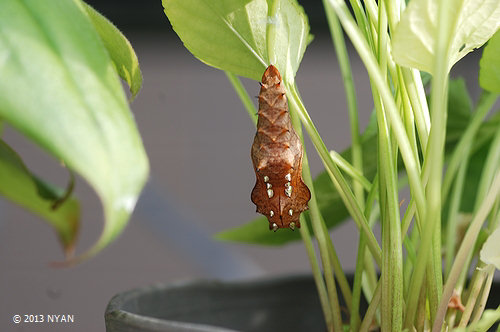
[279, 193]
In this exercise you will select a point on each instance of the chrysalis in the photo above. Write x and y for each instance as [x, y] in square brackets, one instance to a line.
[279, 193]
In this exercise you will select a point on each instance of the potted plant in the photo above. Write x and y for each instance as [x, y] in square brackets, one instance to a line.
[442, 146]
[445, 149]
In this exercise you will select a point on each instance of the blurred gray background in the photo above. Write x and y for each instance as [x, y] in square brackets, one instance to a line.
[198, 137]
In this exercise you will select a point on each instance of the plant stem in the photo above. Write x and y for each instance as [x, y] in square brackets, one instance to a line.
[352, 171]
[272, 13]
[321, 233]
[467, 244]
[486, 101]
[335, 174]
[434, 161]
[477, 284]
[350, 91]
[396, 124]
[338, 271]
[392, 258]
[318, 276]
[244, 97]
[485, 293]
[372, 308]
[453, 213]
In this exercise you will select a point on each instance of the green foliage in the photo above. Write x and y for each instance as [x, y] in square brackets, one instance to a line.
[121, 52]
[60, 88]
[413, 43]
[231, 35]
[489, 66]
[19, 185]
[430, 36]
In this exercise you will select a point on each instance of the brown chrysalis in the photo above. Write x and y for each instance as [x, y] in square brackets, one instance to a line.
[279, 193]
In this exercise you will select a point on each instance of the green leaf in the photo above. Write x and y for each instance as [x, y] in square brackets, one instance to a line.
[413, 42]
[459, 108]
[120, 50]
[59, 88]
[330, 204]
[459, 100]
[291, 37]
[231, 34]
[21, 187]
[489, 66]
[490, 253]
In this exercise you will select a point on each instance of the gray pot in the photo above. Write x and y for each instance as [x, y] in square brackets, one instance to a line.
[278, 304]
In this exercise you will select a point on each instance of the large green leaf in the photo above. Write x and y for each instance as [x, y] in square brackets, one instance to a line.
[20, 186]
[59, 87]
[489, 66]
[120, 50]
[231, 34]
[413, 42]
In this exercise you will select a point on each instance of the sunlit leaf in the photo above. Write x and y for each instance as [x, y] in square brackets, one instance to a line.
[60, 88]
[120, 50]
[231, 34]
[489, 66]
[413, 42]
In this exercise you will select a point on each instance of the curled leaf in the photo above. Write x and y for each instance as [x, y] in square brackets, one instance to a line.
[20, 186]
[60, 88]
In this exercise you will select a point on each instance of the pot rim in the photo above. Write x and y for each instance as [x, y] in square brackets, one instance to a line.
[115, 311]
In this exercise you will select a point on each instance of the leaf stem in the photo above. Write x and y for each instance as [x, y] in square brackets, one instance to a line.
[335, 174]
[320, 232]
[244, 97]
[272, 14]
[467, 244]
[317, 275]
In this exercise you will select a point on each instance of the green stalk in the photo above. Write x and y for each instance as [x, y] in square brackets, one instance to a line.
[244, 97]
[352, 171]
[372, 309]
[375, 74]
[453, 213]
[466, 246]
[335, 174]
[486, 102]
[345, 67]
[360, 261]
[350, 91]
[318, 276]
[485, 293]
[491, 166]
[392, 286]
[435, 160]
[475, 289]
[272, 13]
[416, 94]
[322, 236]
[338, 271]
